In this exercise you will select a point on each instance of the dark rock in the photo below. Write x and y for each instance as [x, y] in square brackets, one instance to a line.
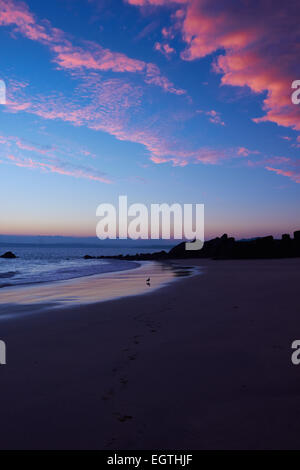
[297, 235]
[8, 255]
[285, 248]
[296, 243]
[225, 248]
[177, 250]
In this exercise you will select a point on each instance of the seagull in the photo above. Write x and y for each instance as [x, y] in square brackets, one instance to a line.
[148, 281]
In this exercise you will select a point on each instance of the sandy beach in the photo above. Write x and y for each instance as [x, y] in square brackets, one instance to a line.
[202, 363]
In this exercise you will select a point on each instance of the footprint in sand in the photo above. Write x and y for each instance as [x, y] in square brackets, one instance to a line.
[108, 395]
[132, 357]
[153, 327]
[123, 418]
[136, 339]
[123, 380]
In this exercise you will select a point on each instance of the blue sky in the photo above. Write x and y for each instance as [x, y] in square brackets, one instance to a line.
[154, 99]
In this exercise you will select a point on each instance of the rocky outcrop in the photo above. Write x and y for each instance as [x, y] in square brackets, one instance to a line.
[258, 248]
[225, 247]
[8, 255]
[137, 257]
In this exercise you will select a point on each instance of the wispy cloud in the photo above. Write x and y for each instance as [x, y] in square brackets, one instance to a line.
[8, 141]
[87, 56]
[164, 48]
[62, 169]
[109, 106]
[281, 165]
[292, 174]
[213, 116]
[245, 152]
[114, 105]
[21, 153]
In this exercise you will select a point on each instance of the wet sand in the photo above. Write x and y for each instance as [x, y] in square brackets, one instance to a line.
[145, 276]
[202, 363]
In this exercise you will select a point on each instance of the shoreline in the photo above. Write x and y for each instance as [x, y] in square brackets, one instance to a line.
[200, 364]
[115, 267]
[89, 290]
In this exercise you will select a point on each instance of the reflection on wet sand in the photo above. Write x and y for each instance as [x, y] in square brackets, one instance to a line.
[93, 289]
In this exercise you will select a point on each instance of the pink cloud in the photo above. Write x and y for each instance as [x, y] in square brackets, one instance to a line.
[15, 150]
[110, 104]
[109, 108]
[167, 33]
[245, 152]
[96, 58]
[165, 49]
[204, 155]
[154, 77]
[142, 3]
[281, 165]
[293, 175]
[22, 144]
[17, 14]
[256, 50]
[26, 146]
[297, 144]
[76, 172]
[214, 116]
[91, 56]
[276, 160]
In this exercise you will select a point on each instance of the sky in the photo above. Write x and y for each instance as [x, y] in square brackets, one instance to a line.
[185, 101]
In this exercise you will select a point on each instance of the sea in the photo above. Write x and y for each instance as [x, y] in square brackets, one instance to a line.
[38, 263]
